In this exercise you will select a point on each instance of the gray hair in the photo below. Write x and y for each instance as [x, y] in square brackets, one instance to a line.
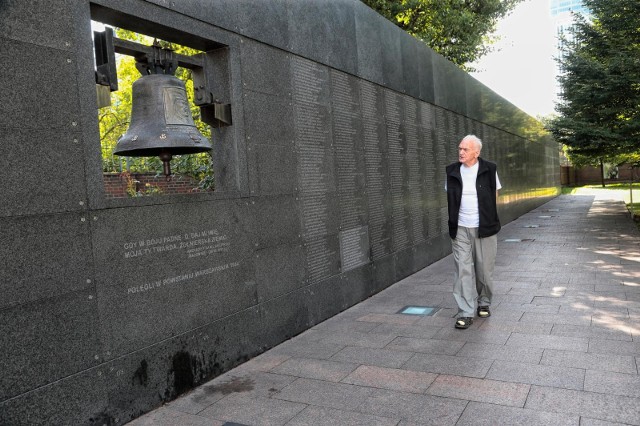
[474, 139]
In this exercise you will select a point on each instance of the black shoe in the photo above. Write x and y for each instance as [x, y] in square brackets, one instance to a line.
[464, 322]
[484, 312]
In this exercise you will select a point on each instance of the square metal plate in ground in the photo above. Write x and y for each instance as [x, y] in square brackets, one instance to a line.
[531, 226]
[425, 311]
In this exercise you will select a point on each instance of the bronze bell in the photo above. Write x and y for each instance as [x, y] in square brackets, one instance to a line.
[161, 122]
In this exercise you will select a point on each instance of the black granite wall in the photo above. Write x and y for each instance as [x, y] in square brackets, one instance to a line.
[329, 189]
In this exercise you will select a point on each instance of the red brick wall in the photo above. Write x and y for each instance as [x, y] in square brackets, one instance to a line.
[116, 184]
[591, 175]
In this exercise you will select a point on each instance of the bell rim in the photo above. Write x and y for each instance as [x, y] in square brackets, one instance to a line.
[156, 151]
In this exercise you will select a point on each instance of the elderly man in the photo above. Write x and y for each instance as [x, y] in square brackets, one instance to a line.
[472, 190]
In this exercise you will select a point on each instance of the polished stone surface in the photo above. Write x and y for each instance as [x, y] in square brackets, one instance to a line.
[361, 365]
[329, 189]
[44, 256]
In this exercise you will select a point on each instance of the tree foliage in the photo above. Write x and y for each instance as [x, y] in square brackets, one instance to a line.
[114, 121]
[599, 108]
[460, 30]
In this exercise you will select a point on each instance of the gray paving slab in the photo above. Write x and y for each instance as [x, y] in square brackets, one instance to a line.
[507, 326]
[534, 290]
[253, 411]
[429, 346]
[390, 319]
[501, 352]
[414, 330]
[321, 416]
[614, 408]
[616, 347]
[480, 390]
[531, 317]
[164, 416]
[341, 325]
[543, 375]
[414, 409]
[613, 383]
[354, 338]
[391, 378]
[565, 300]
[630, 304]
[480, 335]
[549, 342]
[585, 421]
[446, 364]
[592, 332]
[562, 346]
[589, 361]
[528, 307]
[325, 394]
[372, 356]
[307, 348]
[482, 414]
[264, 362]
[331, 371]
[593, 310]
[250, 384]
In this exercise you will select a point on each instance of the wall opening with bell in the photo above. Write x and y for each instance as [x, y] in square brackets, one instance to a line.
[154, 122]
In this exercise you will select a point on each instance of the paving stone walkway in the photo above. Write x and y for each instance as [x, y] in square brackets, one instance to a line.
[562, 346]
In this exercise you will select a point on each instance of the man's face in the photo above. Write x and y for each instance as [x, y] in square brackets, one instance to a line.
[468, 153]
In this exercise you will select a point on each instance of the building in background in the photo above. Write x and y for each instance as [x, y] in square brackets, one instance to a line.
[562, 11]
[562, 14]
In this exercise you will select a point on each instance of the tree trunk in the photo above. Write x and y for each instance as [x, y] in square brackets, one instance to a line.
[602, 171]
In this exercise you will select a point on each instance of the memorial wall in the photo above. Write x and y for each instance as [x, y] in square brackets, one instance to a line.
[329, 187]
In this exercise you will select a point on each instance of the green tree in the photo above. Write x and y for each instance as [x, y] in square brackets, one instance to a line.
[460, 30]
[599, 110]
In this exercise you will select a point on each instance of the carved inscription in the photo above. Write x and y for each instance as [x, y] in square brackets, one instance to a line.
[429, 168]
[315, 213]
[414, 181]
[354, 247]
[315, 162]
[178, 279]
[346, 123]
[443, 137]
[374, 140]
[396, 155]
[205, 244]
[194, 244]
[321, 260]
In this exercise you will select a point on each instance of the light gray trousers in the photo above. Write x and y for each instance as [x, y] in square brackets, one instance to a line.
[473, 256]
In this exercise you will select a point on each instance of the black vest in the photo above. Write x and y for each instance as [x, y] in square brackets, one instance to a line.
[486, 188]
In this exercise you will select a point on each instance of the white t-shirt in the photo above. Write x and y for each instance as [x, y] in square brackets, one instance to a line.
[469, 216]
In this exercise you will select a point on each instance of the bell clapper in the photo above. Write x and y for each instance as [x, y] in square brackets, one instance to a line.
[166, 156]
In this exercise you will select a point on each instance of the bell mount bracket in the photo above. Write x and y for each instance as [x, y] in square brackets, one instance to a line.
[157, 60]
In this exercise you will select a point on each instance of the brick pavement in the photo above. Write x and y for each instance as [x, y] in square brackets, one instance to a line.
[562, 346]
